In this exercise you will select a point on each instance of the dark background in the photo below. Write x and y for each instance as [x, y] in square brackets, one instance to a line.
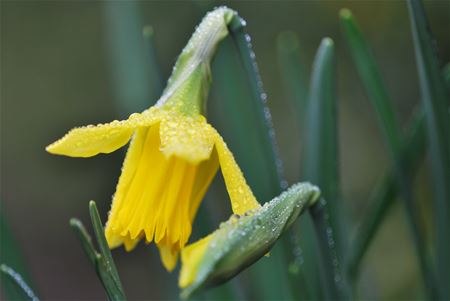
[59, 69]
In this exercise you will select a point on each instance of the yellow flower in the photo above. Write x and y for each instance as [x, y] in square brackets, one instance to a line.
[169, 165]
[173, 155]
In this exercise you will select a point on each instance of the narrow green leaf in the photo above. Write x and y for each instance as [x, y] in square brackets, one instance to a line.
[85, 239]
[11, 254]
[25, 292]
[321, 149]
[321, 167]
[328, 261]
[435, 100]
[303, 269]
[234, 115]
[264, 124]
[446, 74]
[104, 267]
[293, 71]
[155, 77]
[372, 80]
[114, 292]
[133, 66]
[386, 192]
[103, 245]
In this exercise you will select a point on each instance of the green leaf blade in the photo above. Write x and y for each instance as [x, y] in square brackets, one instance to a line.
[435, 100]
[85, 239]
[372, 80]
[264, 124]
[11, 255]
[23, 289]
[386, 192]
[293, 71]
[135, 72]
[321, 147]
[371, 77]
[103, 245]
[102, 262]
[321, 168]
[303, 269]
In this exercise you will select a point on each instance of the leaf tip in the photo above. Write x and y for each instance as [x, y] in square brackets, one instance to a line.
[92, 205]
[345, 14]
[147, 31]
[75, 223]
[328, 42]
[3, 268]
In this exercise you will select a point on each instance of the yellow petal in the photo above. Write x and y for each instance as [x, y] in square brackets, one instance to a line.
[157, 197]
[190, 259]
[112, 238]
[130, 243]
[176, 215]
[169, 257]
[187, 137]
[103, 138]
[142, 181]
[129, 168]
[242, 198]
[141, 196]
[170, 202]
[205, 174]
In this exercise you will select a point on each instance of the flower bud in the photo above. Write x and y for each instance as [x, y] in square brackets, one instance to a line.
[242, 240]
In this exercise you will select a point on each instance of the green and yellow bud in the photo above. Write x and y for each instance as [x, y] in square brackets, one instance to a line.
[242, 240]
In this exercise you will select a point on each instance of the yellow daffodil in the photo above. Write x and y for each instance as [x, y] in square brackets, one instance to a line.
[173, 155]
[242, 240]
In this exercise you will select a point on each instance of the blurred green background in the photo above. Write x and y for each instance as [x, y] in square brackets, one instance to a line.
[60, 68]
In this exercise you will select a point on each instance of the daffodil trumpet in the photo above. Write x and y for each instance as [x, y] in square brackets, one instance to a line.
[173, 155]
[242, 240]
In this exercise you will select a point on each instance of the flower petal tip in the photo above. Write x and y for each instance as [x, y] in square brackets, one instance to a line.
[169, 257]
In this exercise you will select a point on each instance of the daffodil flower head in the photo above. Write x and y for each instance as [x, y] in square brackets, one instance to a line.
[173, 155]
[242, 240]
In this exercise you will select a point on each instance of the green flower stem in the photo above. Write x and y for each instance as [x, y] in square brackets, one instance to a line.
[25, 292]
[435, 100]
